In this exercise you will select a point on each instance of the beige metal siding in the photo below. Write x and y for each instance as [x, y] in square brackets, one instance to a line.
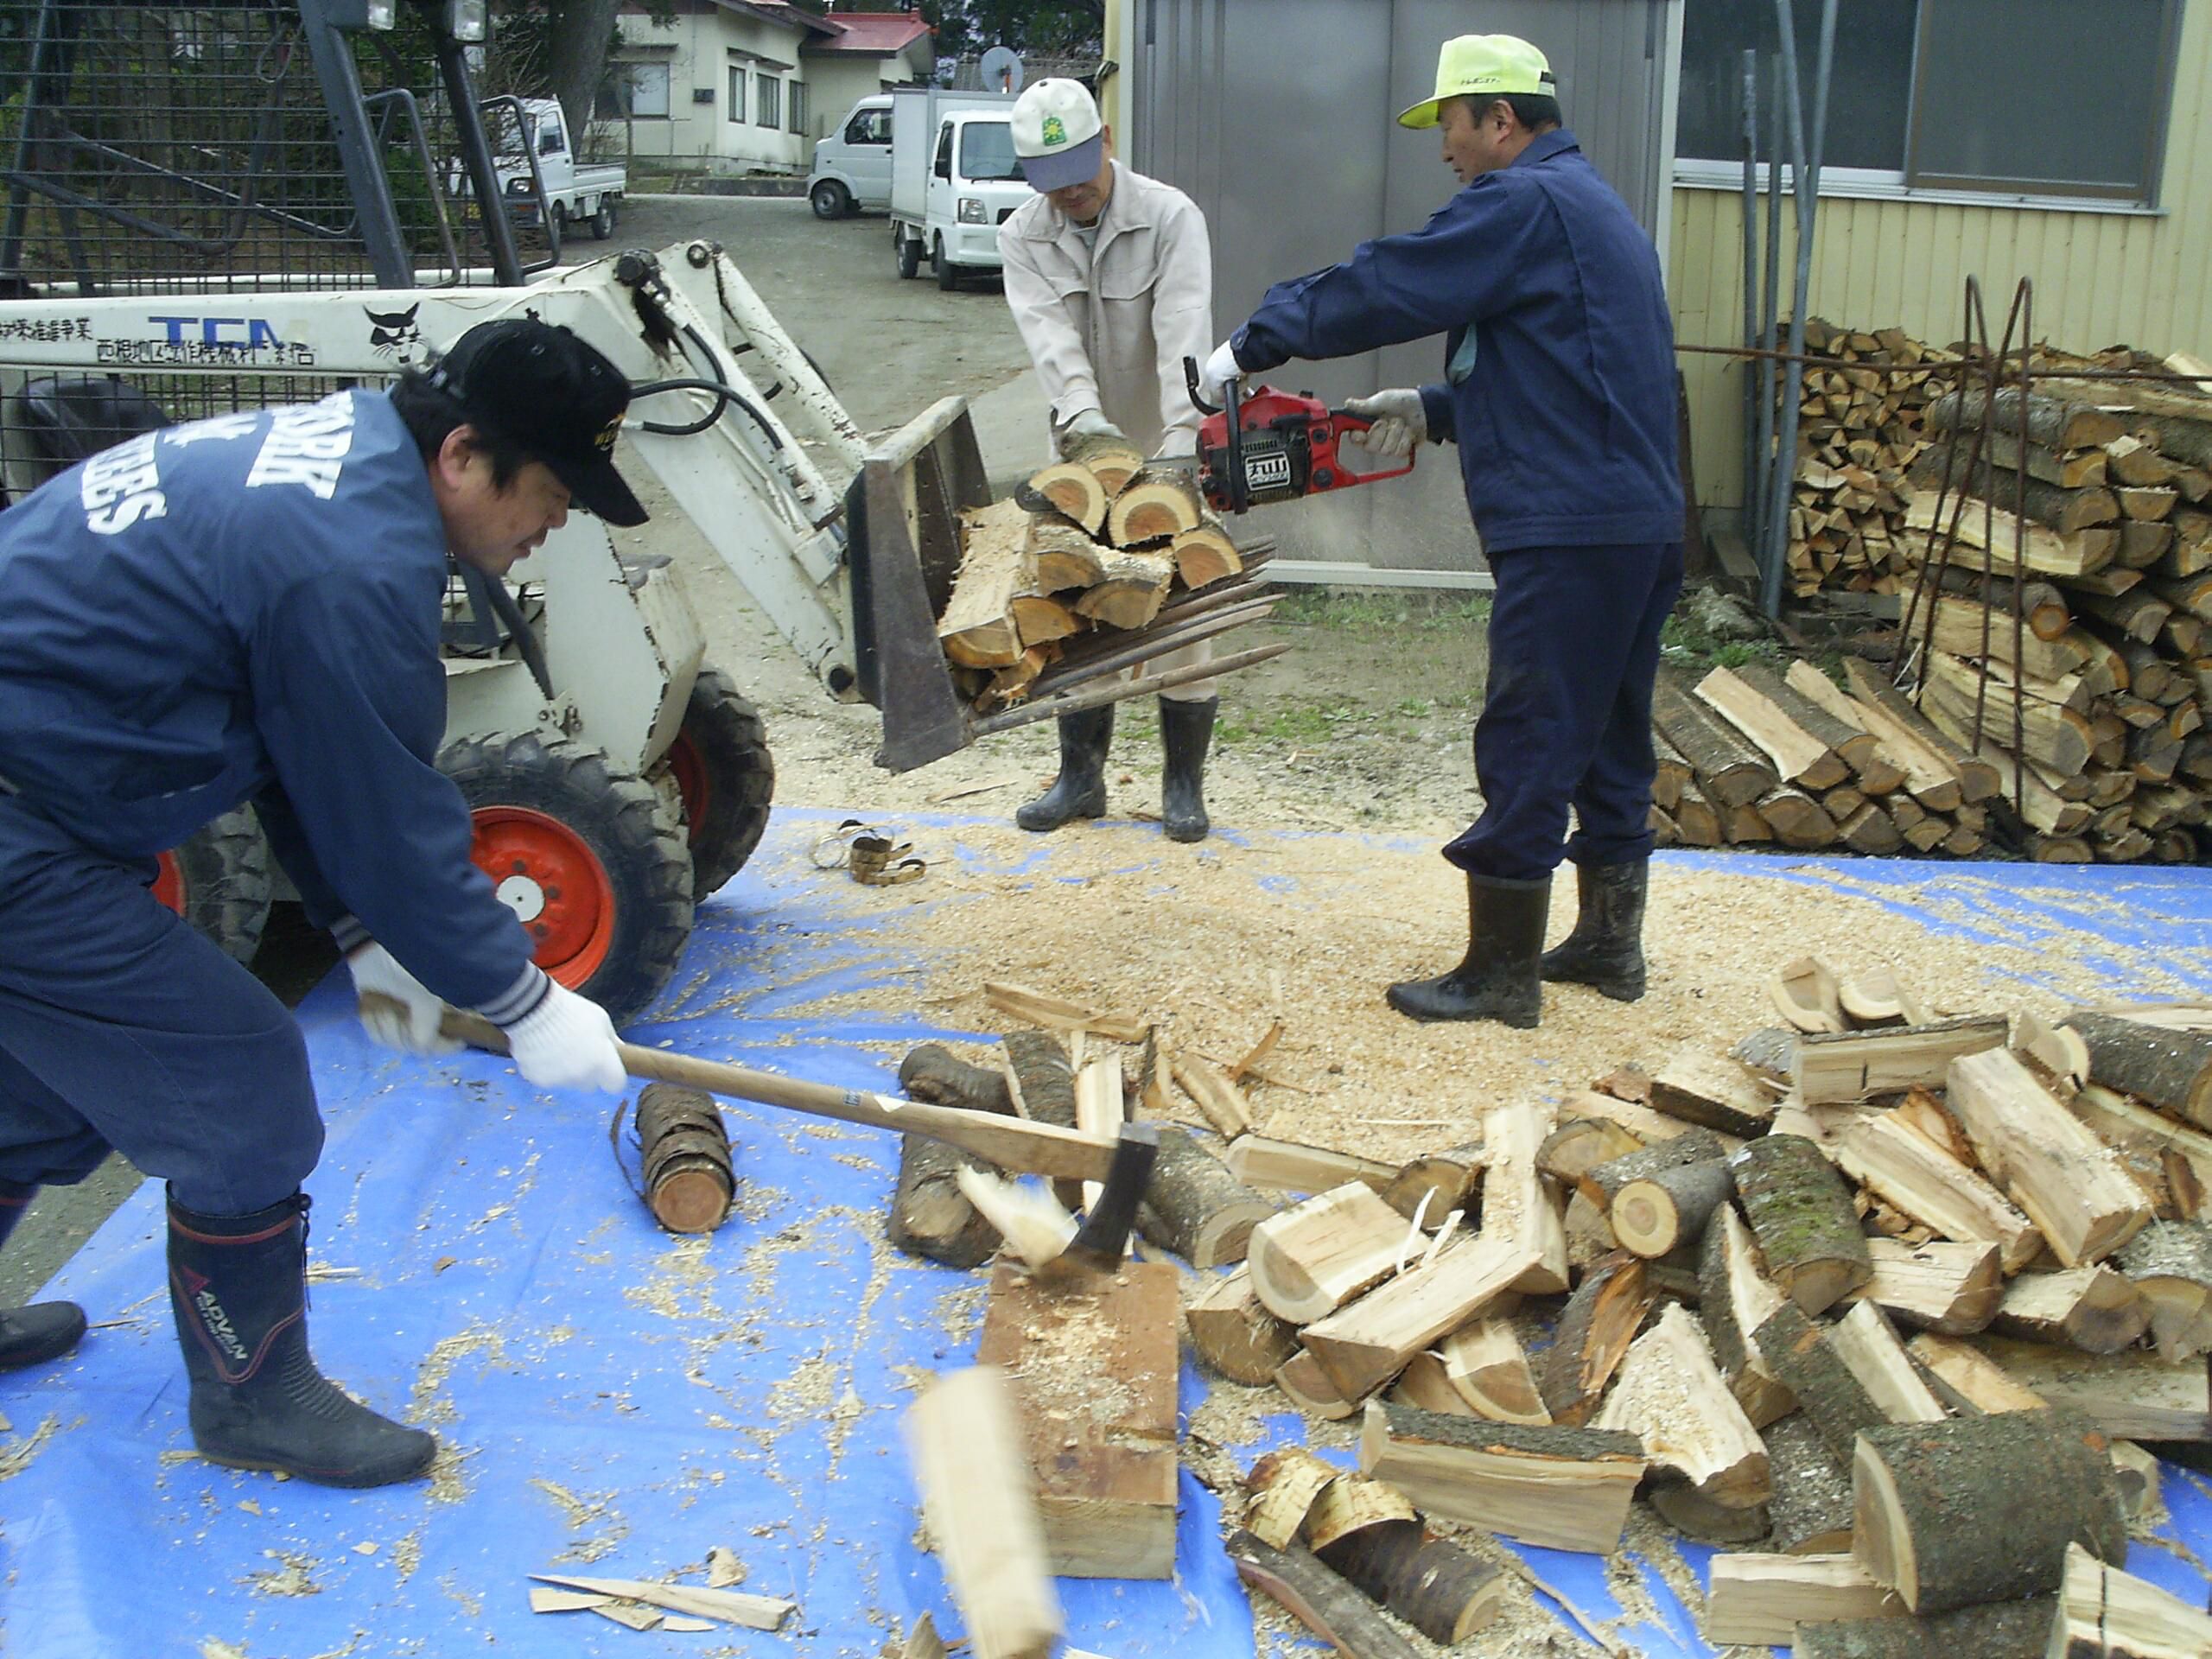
[2100, 278]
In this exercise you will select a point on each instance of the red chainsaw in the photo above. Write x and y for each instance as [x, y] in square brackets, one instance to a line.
[1267, 446]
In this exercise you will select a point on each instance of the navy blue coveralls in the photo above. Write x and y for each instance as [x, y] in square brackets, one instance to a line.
[244, 609]
[1560, 391]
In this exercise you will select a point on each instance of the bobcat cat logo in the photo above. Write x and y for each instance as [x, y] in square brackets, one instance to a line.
[1055, 131]
[393, 334]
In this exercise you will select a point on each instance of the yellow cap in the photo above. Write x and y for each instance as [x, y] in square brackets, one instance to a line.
[1491, 65]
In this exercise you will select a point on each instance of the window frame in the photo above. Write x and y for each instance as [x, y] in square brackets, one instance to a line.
[630, 69]
[1903, 184]
[737, 99]
[768, 108]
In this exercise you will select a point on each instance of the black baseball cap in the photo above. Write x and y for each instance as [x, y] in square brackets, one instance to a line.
[539, 387]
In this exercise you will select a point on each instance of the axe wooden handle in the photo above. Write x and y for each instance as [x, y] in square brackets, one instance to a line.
[1015, 1143]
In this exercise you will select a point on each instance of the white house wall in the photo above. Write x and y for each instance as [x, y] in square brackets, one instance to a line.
[700, 50]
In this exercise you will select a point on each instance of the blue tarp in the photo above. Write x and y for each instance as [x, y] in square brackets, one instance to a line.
[615, 1401]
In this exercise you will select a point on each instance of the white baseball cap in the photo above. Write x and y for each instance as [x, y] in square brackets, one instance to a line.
[1058, 133]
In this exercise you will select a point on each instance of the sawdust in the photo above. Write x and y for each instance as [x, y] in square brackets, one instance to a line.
[805, 1392]
[294, 1575]
[428, 1407]
[216, 1648]
[1215, 942]
[589, 1509]
[18, 1455]
[407, 1555]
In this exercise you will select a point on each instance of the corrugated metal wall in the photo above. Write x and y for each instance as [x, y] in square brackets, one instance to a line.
[1276, 116]
[2100, 278]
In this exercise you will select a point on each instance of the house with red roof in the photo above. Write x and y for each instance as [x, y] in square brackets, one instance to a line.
[746, 86]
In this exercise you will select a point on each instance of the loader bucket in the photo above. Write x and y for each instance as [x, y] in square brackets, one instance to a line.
[903, 524]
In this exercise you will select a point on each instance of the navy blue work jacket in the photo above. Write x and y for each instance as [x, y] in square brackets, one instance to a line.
[248, 608]
[1558, 381]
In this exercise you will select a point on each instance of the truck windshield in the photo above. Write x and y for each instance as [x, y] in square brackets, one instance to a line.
[987, 151]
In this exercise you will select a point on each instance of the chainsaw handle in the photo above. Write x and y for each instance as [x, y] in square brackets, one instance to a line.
[1190, 382]
[1346, 421]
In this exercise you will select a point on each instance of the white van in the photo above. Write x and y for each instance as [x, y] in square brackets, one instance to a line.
[953, 178]
[852, 170]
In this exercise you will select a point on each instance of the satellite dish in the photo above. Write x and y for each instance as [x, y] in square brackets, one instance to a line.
[946, 69]
[1001, 69]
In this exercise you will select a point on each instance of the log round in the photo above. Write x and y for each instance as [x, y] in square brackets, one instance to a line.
[684, 1151]
[1968, 1510]
[1196, 1208]
[1669, 1209]
[1432, 1583]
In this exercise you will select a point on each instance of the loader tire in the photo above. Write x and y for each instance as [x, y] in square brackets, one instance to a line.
[218, 881]
[589, 856]
[722, 769]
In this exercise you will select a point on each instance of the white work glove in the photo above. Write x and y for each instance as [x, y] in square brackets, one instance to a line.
[1093, 423]
[412, 1026]
[1399, 422]
[567, 1042]
[1220, 368]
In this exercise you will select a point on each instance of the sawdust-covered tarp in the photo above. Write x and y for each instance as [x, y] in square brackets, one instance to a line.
[616, 1401]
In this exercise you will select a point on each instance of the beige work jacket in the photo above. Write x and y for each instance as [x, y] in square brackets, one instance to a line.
[1108, 327]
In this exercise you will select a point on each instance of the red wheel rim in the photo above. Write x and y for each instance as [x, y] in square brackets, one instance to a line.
[168, 885]
[690, 770]
[550, 878]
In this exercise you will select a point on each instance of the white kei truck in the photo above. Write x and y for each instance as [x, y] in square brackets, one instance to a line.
[852, 171]
[953, 177]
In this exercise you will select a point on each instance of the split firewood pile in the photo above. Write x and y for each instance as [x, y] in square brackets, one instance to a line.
[1119, 541]
[1886, 1303]
[1860, 429]
[1748, 756]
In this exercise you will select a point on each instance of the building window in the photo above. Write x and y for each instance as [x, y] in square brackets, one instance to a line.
[736, 92]
[797, 98]
[1947, 95]
[636, 92]
[764, 112]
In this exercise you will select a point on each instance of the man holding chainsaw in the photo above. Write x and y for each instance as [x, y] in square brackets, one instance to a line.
[1558, 388]
[249, 609]
[1111, 281]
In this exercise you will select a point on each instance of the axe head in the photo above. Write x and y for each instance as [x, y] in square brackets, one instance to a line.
[1097, 1249]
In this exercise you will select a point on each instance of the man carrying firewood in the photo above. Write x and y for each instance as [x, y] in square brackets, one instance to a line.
[1111, 281]
[1558, 388]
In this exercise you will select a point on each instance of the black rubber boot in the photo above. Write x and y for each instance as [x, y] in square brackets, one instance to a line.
[1498, 981]
[1606, 950]
[1185, 733]
[44, 1331]
[237, 1286]
[1080, 790]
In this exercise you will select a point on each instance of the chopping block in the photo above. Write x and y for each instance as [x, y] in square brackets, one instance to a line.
[1094, 1373]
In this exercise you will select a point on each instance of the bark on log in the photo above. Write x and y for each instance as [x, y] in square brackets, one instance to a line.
[1283, 1485]
[1801, 1214]
[1603, 1183]
[931, 1216]
[1196, 1208]
[683, 1157]
[2054, 423]
[1732, 772]
[2046, 504]
[1799, 1353]
[1980, 1509]
[2170, 1263]
[1735, 1299]
[1668, 1209]
[1235, 1335]
[2171, 1069]
[1432, 1583]
[1154, 507]
[2004, 1630]
[1598, 1324]
[1040, 1083]
[1319, 1599]
[1810, 1511]
[1698, 1518]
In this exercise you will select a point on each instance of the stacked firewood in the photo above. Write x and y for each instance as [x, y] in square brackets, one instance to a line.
[1859, 431]
[2069, 647]
[1116, 541]
[1728, 1251]
[1748, 755]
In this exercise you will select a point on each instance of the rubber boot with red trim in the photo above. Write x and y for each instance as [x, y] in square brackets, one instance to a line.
[44, 1331]
[237, 1286]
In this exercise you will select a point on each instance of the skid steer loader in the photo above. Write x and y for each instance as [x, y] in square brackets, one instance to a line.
[280, 231]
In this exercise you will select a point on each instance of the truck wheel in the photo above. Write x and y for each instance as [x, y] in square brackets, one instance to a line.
[586, 855]
[910, 255]
[602, 222]
[831, 199]
[948, 274]
[722, 769]
[218, 881]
